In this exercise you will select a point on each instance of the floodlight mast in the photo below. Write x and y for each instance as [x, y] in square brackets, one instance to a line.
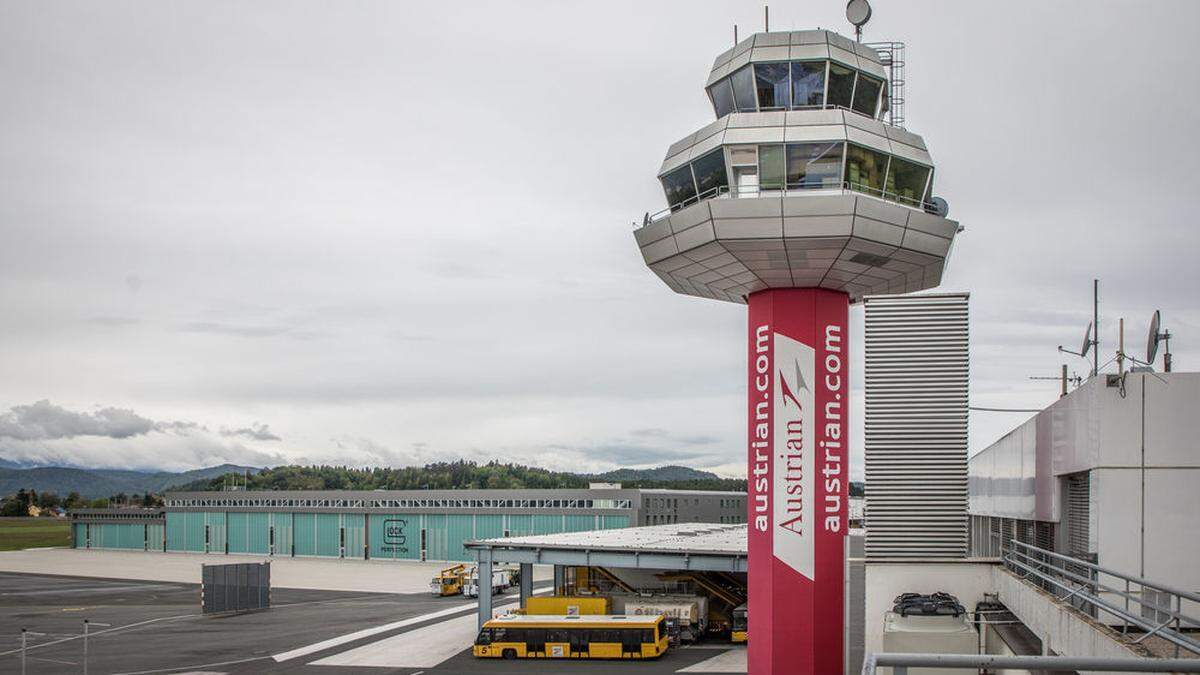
[798, 230]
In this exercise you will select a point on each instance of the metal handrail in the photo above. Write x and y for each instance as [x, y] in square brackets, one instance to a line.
[1089, 589]
[1194, 597]
[743, 191]
[1095, 583]
[900, 663]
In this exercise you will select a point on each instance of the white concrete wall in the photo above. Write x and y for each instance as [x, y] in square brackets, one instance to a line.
[965, 580]
[1097, 429]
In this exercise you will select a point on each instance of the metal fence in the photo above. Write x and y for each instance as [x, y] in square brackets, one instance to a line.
[900, 663]
[1136, 605]
[236, 587]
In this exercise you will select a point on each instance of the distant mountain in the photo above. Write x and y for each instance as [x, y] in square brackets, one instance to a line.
[7, 464]
[668, 473]
[93, 483]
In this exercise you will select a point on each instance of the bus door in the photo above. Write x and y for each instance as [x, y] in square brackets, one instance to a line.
[579, 641]
[535, 641]
[631, 641]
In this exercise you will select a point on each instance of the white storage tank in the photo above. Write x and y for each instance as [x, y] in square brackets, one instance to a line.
[929, 624]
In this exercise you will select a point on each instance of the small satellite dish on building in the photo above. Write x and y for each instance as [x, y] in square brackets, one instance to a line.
[940, 207]
[1152, 339]
[1087, 344]
[858, 12]
[1158, 335]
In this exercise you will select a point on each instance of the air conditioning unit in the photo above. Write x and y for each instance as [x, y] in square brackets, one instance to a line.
[929, 624]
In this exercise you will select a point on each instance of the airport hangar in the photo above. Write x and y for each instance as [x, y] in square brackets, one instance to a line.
[387, 524]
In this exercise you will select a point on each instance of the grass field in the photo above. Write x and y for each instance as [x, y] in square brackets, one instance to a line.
[20, 533]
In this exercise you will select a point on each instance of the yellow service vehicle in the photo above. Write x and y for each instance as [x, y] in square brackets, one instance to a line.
[568, 605]
[739, 634]
[449, 581]
[542, 636]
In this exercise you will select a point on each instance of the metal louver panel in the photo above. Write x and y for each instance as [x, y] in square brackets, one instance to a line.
[1078, 498]
[916, 426]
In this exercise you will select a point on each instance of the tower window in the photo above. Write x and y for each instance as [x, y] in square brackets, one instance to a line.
[841, 85]
[774, 89]
[866, 95]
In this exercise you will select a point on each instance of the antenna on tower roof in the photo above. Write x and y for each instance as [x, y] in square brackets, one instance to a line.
[858, 12]
[766, 19]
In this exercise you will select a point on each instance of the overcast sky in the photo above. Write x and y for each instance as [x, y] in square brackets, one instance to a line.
[391, 233]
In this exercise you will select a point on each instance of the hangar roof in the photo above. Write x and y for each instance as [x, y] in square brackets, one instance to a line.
[678, 538]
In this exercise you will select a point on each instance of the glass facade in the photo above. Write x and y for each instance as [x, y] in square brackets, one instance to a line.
[866, 94]
[792, 167]
[679, 186]
[865, 168]
[808, 84]
[814, 165]
[770, 167]
[710, 175]
[774, 85]
[907, 181]
[841, 85]
[743, 90]
[704, 177]
[796, 85]
[722, 97]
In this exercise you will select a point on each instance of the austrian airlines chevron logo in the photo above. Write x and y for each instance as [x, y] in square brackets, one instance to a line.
[793, 458]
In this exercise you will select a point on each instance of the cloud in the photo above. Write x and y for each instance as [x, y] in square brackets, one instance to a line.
[46, 434]
[43, 421]
[254, 432]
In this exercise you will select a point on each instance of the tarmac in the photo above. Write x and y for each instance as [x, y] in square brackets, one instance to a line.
[139, 626]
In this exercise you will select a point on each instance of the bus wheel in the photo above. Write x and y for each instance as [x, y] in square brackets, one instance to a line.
[509, 654]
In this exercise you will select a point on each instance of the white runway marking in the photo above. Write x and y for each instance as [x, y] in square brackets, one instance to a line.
[366, 632]
[732, 661]
[421, 648]
[387, 627]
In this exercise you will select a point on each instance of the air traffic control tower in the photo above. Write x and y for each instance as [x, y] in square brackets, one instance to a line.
[804, 195]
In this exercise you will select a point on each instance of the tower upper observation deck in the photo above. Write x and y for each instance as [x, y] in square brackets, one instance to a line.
[799, 183]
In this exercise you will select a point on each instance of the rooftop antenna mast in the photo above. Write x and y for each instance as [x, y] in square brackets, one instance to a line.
[1091, 343]
[858, 12]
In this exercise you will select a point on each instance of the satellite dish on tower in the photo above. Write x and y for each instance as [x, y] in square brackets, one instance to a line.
[1087, 341]
[1152, 339]
[1157, 334]
[858, 13]
[939, 207]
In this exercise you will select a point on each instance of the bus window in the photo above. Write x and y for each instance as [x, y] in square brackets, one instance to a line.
[485, 637]
[649, 636]
[557, 636]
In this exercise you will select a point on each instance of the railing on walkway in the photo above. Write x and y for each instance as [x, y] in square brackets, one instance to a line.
[900, 663]
[1106, 594]
[791, 189]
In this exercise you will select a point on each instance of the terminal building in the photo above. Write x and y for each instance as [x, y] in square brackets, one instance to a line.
[387, 524]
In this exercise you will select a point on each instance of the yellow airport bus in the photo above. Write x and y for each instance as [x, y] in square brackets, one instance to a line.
[738, 634]
[606, 636]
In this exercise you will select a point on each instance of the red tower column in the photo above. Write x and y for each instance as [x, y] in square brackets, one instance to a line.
[798, 475]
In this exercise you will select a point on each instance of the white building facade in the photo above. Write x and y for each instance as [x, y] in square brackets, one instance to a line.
[1110, 473]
